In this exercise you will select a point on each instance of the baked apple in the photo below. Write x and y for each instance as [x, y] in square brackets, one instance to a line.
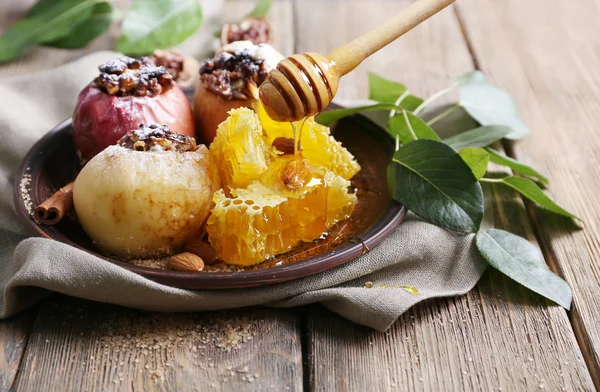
[255, 30]
[184, 69]
[128, 92]
[230, 80]
[148, 195]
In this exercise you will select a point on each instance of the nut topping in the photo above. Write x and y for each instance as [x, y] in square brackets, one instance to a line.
[238, 69]
[201, 249]
[186, 262]
[230, 75]
[157, 137]
[128, 76]
[254, 30]
[184, 69]
[172, 60]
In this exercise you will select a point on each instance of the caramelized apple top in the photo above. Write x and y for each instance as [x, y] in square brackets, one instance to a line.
[128, 76]
[157, 137]
[238, 68]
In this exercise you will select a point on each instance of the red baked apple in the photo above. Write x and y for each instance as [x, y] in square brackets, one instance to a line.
[128, 92]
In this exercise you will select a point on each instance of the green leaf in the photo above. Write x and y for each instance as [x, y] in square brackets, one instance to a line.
[158, 24]
[408, 127]
[521, 261]
[68, 15]
[90, 29]
[448, 121]
[517, 166]
[471, 77]
[532, 191]
[492, 106]
[477, 159]
[49, 20]
[433, 181]
[386, 91]
[261, 9]
[329, 116]
[478, 137]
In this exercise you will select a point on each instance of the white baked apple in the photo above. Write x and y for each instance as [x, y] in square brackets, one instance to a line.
[146, 196]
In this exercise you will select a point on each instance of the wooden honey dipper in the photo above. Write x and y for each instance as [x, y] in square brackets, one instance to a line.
[304, 84]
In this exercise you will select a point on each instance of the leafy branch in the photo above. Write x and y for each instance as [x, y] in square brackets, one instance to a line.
[440, 179]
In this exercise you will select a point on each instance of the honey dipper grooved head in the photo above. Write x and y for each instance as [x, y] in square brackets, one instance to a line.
[301, 86]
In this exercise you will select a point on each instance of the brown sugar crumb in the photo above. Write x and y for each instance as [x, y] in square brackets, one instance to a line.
[127, 76]
[151, 263]
[222, 267]
[137, 338]
[157, 136]
[210, 268]
[251, 29]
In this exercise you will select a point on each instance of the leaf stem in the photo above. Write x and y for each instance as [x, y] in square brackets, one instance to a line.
[398, 101]
[492, 180]
[434, 97]
[409, 125]
[443, 114]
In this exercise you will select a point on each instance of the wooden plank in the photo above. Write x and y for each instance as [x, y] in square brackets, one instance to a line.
[82, 346]
[498, 337]
[14, 334]
[547, 57]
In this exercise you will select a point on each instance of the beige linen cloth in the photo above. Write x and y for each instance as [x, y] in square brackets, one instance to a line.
[438, 263]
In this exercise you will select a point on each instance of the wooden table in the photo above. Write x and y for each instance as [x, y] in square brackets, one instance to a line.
[498, 337]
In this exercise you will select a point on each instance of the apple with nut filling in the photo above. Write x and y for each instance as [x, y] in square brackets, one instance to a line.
[128, 92]
[148, 195]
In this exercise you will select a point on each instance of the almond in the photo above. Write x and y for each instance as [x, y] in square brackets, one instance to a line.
[201, 249]
[186, 262]
[296, 173]
[284, 144]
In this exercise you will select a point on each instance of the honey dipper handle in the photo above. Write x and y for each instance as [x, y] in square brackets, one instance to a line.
[349, 56]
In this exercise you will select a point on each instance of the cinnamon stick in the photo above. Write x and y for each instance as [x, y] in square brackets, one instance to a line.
[54, 208]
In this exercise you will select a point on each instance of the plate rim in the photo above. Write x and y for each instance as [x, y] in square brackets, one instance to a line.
[392, 216]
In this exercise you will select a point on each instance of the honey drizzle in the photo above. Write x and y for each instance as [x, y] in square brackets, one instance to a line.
[293, 124]
[298, 137]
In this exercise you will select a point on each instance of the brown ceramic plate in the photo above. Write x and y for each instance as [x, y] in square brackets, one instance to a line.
[51, 163]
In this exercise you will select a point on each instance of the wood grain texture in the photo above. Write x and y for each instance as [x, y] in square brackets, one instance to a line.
[499, 336]
[547, 58]
[14, 335]
[82, 346]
